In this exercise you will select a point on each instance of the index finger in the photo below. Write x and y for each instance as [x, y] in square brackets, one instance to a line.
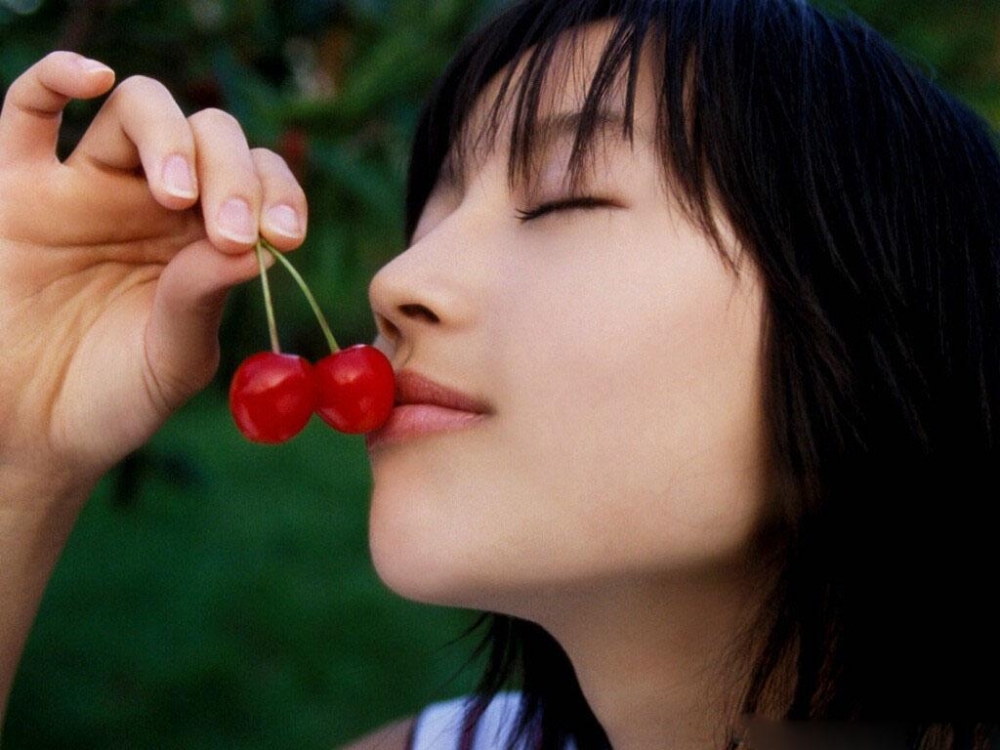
[33, 105]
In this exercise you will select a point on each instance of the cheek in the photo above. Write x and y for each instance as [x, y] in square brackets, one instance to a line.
[638, 406]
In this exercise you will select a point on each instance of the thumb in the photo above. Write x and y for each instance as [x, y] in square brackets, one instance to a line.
[182, 334]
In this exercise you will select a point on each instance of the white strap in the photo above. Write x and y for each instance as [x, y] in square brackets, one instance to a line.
[439, 726]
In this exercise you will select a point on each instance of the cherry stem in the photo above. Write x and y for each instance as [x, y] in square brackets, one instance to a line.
[330, 340]
[268, 307]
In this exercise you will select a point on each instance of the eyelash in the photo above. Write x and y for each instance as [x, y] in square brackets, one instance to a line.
[585, 201]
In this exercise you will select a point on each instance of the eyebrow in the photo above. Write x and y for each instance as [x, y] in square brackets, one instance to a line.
[550, 129]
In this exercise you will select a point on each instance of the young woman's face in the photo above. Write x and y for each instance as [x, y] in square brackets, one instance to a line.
[619, 356]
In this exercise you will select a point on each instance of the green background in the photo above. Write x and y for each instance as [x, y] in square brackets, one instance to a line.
[219, 594]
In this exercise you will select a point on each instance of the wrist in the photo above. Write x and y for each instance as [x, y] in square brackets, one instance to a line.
[37, 513]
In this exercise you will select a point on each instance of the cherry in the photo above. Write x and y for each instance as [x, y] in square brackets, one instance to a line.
[272, 396]
[356, 389]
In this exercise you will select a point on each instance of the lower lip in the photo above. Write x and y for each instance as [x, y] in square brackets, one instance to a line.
[412, 420]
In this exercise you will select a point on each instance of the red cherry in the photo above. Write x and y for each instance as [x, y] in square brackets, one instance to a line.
[272, 396]
[357, 389]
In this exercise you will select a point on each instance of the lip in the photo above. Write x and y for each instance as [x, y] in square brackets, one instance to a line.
[424, 407]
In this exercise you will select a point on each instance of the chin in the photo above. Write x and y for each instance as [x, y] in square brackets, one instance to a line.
[415, 553]
[431, 532]
[414, 573]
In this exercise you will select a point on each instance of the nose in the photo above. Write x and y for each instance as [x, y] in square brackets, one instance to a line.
[418, 293]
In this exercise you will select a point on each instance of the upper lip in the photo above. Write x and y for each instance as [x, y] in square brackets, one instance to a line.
[413, 388]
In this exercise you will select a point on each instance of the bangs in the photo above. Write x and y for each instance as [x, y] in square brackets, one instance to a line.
[546, 37]
[597, 117]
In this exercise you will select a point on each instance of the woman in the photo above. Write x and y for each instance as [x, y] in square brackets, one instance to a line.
[716, 289]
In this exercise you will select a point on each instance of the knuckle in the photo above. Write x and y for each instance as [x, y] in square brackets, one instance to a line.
[214, 117]
[139, 86]
[272, 166]
[271, 163]
[26, 93]
[266, 157]
[33, 77]
[15, 92]
[29, 80]
[57, 57]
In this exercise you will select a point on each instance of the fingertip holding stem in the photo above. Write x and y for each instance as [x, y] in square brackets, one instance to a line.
[236, 221]
[284, 220]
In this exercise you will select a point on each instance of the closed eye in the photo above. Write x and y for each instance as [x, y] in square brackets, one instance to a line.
[585, 201]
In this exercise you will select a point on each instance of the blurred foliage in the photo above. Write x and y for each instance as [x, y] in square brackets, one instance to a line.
[957, 43]
[215, 594]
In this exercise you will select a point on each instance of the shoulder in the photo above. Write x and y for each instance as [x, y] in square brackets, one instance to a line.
[395, 736]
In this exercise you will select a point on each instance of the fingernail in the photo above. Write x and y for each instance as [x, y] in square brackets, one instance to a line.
[283, 220]
[235, 221]
[177, 177]
[92, 66]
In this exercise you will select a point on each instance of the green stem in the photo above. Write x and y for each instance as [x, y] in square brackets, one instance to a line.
[268, 307]
[330, 340]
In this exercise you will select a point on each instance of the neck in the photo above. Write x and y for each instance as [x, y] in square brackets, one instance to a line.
[655, 657]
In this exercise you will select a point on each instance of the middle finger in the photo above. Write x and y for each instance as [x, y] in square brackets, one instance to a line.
[230, 189]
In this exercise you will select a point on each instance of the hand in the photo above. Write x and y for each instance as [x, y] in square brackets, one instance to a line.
[115, 264]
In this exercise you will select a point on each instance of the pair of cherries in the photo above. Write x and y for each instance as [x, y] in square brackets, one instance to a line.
[273, 395]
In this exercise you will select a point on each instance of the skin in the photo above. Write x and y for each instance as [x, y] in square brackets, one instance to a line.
[111, 314]
[616, 491]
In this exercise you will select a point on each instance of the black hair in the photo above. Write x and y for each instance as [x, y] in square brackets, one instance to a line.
[869, 199]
